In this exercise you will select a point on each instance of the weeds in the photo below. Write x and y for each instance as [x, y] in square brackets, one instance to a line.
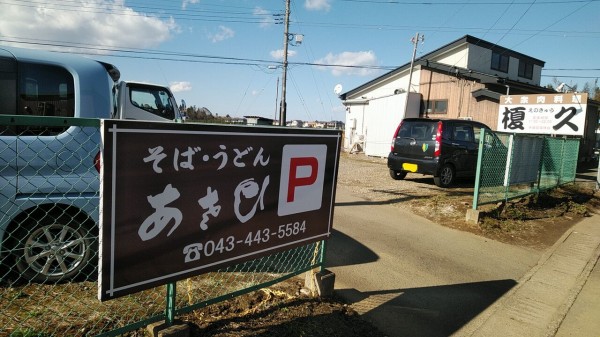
[28, 333]
[577, 208]
[436, 201]
[513, 215]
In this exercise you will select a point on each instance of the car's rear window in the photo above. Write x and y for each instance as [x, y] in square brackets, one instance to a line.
[418, 130]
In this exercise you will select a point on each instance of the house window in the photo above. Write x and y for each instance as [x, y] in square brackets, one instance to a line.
[525, 69]
[437, 106]
[500, 62]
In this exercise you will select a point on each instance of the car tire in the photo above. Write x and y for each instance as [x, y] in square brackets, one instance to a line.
[397, 175]
[446, 176]
[55, 249]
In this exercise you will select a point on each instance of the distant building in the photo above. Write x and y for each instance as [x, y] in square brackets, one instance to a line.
[334, 125]
[257, 120]
[295, 123]
[237, 121]
[310, 124]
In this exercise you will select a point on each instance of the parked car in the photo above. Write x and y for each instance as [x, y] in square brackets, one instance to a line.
[49, 181]
[443, 148]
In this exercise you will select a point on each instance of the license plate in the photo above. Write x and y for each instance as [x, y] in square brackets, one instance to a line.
[409, 167]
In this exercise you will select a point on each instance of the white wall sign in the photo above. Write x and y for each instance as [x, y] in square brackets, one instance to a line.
[552, 114]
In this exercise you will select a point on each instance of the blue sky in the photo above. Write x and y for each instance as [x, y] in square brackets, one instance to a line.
[226, 55]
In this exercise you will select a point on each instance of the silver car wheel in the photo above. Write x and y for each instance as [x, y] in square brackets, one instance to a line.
[53, 252]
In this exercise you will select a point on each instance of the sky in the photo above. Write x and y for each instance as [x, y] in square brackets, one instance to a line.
[227, 55]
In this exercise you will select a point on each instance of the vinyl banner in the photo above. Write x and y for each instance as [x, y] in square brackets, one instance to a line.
[179, 200]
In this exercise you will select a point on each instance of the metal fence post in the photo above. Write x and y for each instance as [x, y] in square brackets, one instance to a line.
[322, 257]
[479, 163]
[171, 297]
[541, 164]
[562, 161]
[598, 176]
[509, 164]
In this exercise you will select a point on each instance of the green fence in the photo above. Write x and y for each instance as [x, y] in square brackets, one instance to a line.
[515, 165]
[48, 229]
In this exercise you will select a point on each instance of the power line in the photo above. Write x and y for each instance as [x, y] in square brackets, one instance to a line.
[557, 21]
[460, 3]
[157, 12]
[85, 47]
[185, 57]
[570, 76]
[516, 22]
[212, 59]
[139, 5]
[573, 69]
[249, 16]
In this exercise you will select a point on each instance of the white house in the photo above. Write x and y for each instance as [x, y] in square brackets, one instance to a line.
[463, 79]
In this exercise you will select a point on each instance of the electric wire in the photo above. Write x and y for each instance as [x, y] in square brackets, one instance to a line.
[248, 15]
[253, 17]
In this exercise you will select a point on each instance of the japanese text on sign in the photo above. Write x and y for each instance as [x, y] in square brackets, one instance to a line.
[197, 198]
[560, 113]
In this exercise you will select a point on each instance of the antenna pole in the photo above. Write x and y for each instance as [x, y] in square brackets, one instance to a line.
[415, 42]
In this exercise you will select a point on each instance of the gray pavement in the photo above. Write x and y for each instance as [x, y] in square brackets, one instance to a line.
[557, 297]
[412, 277]
[583, 318]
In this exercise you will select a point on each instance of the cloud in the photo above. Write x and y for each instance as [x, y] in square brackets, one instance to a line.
[278, 54]
[317, 5]
[265, 17]
[222, 34]
[90, 22]
[180, 86]
[185, 3]
[353, 63]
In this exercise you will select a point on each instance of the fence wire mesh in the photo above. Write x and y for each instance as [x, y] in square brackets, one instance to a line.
[515, 165]
[49, 204]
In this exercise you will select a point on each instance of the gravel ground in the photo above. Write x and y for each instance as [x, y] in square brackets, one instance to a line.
[369, 177]
[522, 221]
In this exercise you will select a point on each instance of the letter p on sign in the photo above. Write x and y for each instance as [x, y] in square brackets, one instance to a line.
[302, 178]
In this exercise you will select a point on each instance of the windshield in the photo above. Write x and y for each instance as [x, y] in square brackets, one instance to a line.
[153, 100]
[418, 130]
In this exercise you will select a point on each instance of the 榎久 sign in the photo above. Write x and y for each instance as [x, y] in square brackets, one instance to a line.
[552, 114]
[178, 200]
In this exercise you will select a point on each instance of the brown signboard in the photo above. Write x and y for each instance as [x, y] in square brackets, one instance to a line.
[179, 200]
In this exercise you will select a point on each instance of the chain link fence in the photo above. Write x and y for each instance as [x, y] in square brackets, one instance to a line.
[514, 165]
[49, 204]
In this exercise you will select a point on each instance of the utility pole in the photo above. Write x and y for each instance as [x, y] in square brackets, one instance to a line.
[283, 106]
[415, 42]
[276, 97]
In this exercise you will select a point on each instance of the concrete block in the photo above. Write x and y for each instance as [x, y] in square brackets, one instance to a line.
[325, 281]
[161, 329]
[473, 215]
